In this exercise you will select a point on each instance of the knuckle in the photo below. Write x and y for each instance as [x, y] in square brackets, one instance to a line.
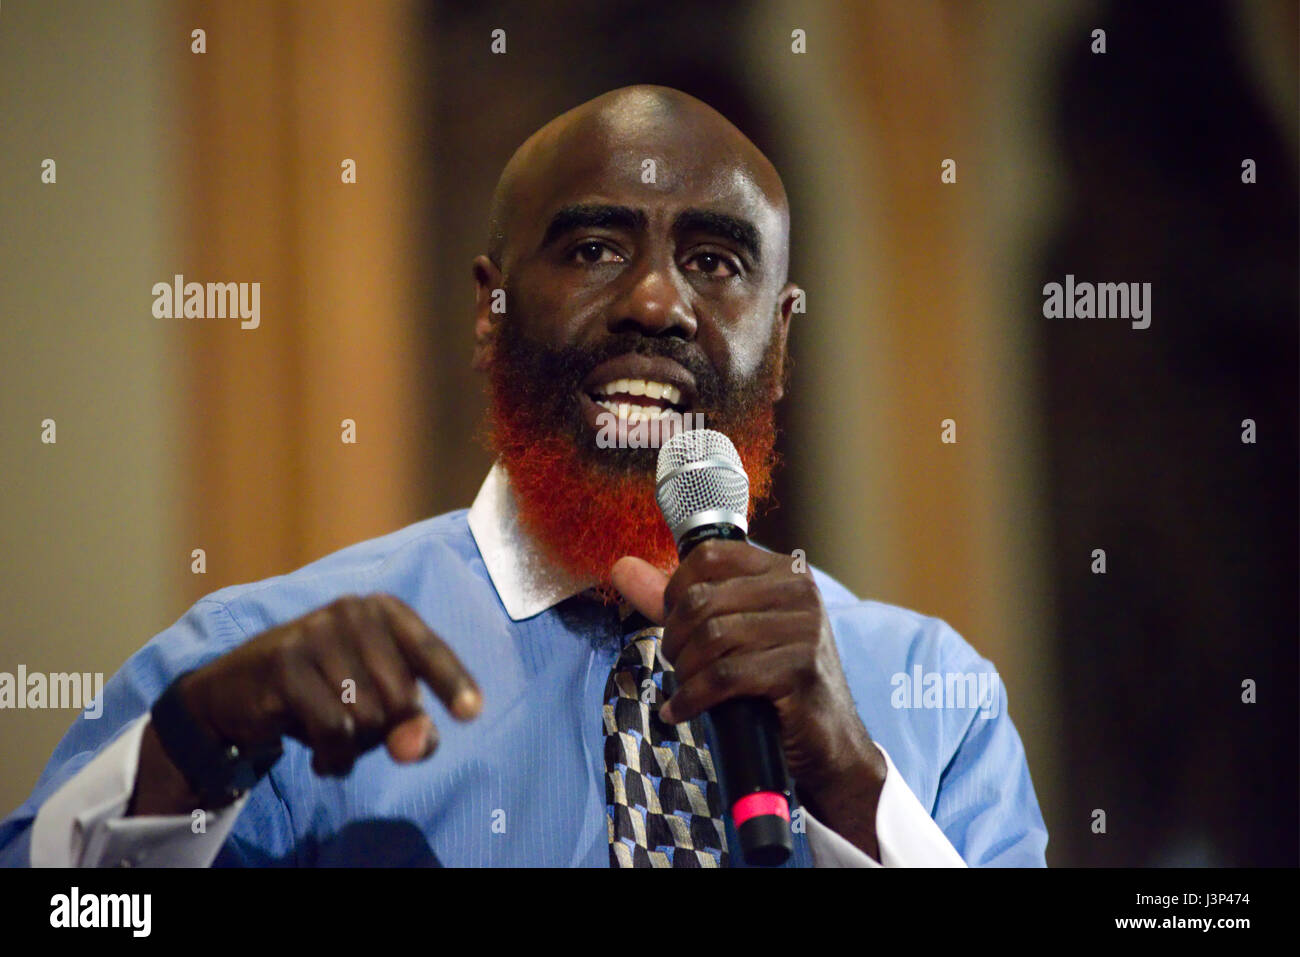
[711, 555]
[373, 604]
[369, 713]
[314, 628]
[806, 669]
[696, 598]
[724, 673]
[382, 599]
[339, 727]
[803, 589]
[349, 609]
[398, 694]
[714, 630]
[284, 657]
[429, 643]
[813, 623]
[340, 603]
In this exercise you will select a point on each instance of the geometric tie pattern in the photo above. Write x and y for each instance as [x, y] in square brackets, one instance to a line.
[661, 790]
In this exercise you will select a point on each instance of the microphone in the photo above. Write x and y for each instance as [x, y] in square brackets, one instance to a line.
[703, 492]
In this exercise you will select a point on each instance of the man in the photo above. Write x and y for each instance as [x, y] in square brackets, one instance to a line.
[608, 296]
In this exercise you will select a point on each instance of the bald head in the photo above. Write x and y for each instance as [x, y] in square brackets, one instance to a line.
[608, 144]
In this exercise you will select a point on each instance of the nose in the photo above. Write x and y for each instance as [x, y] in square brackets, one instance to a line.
[654, 305]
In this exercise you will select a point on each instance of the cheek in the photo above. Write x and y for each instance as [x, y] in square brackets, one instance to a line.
[744, 345]
[547, 309]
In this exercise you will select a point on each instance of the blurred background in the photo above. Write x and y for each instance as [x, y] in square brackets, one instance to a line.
[924, 304]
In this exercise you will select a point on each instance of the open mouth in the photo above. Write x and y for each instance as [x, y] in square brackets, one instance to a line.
[637, 399]
[636, 388]
[637, 394]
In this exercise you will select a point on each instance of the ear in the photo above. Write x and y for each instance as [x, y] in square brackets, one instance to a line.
[487, 278]
[785, 301]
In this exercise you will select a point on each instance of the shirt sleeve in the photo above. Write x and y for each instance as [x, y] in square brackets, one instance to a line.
[907, 835]
[83, 823]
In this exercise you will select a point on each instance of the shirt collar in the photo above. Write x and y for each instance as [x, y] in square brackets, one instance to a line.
[526, 581]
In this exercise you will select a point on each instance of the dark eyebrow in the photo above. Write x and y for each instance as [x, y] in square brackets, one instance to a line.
[588, 215]
[739, 231]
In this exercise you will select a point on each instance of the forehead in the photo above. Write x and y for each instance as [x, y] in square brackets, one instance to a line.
[660, 165]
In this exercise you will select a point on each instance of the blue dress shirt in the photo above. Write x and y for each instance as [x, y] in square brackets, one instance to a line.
[523, 784]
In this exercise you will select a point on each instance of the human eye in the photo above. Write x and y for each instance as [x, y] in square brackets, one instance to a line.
[714, 265]
[591, 252]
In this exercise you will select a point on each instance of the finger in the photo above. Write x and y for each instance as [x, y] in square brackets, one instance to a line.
[341, 663]
[772, 673]
[320, 720]
[740, 633]
[385, 662]
[715, 560]
[642, 585]
[704, 600]
[431, 659]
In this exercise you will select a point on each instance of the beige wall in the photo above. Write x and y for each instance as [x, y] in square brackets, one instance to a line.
[87, 548]
[175, 434]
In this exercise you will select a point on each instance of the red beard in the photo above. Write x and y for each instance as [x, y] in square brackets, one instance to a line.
[586, 517]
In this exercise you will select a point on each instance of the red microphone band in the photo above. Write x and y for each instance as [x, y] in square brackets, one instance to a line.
[759, 804]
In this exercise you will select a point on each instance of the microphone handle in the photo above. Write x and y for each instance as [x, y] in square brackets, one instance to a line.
[754, 775]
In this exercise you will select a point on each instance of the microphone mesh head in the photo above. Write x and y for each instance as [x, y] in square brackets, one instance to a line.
[700, 472]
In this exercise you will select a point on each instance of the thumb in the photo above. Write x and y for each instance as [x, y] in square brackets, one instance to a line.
[413, 739]
[642, 585]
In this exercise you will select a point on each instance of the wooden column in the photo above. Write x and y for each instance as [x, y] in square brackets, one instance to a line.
[284, 94]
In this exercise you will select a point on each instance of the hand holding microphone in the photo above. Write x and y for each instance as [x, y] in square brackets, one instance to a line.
[751, 644]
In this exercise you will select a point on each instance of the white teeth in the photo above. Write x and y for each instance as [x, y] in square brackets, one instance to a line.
[633, 413]
[653, 390]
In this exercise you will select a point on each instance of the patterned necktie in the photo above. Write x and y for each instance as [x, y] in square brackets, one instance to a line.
[661, 790]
